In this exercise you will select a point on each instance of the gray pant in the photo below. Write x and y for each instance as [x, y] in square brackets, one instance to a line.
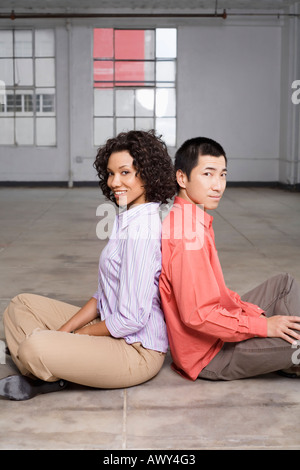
[279, 295]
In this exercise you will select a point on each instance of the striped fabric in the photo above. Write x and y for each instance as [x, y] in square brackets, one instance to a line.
[129, 268]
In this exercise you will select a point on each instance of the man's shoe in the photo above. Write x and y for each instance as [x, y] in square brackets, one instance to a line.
[291, 373]
[19, 387]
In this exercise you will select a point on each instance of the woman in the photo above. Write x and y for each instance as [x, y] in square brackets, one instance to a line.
[118, 338]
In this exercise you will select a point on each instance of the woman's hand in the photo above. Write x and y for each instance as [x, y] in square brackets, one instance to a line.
[283, 326]
[98, 329]
[84, 315]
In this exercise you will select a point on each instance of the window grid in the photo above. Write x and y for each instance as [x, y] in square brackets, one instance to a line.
[115, 85]
[23, 101]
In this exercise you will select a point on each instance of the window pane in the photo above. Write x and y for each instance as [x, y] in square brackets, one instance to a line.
[167, 127]
[166, 43]
[7, 131]
[13, 103]
[23, 102]
[7, 71]
[44, 72]
[18, 103]
[44, 43]
[45, 101]
[165, 102]
[28, 103]
[24, 131]
[144, 105]
[9, 101]
[149, 68]
[134, 73]
[144, 124]
[103, 102]
[45, 131]
[23, 43]
[130, 44]
[165, 71]
[103, 71]
[125, 103]
[23, 72]
[124, 125]
[103, 130]
[103, 43]
[48, 103]
[149, 44]
[6, 44]
[2, 95]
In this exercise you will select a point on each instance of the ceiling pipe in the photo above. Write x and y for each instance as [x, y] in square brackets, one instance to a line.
[278, 15]
[15, 16]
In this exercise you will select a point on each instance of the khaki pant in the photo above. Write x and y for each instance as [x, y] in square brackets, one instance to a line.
[30, 323]
[279, 295]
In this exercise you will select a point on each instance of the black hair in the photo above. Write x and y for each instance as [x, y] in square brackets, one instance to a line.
[151, 160]
[186, 157]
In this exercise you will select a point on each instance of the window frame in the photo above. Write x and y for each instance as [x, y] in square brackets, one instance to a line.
[15, 108]
[118, 85]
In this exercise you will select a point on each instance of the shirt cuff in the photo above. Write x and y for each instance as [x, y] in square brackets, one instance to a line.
[258, 326]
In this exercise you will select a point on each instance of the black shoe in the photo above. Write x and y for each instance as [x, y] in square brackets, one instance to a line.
[292, 373]
[19, 387]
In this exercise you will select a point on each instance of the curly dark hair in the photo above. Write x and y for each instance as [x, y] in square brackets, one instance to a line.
[150, 159]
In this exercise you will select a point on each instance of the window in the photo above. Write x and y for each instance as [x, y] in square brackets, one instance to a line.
[134, 82]
[27, 76]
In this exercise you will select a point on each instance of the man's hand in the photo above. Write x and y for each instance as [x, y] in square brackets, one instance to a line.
[282, 326]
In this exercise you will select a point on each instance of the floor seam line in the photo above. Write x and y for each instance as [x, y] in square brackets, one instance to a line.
[124, 427]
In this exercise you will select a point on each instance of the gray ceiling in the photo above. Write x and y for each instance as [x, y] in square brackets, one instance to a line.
[143, 5]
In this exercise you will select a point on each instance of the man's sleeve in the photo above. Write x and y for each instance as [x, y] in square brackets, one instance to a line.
[198, 298]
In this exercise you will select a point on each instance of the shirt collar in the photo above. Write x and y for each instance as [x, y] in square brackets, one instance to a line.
[129, 215]
[207, 218]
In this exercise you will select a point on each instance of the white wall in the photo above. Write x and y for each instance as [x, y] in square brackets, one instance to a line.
[289, 163]
[232, 86]
[229, 90]
[26, 163]
[81, 72]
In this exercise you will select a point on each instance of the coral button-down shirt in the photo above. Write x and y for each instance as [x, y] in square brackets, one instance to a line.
[201, 312]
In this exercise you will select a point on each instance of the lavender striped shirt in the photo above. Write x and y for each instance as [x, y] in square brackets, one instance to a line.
[129, 268]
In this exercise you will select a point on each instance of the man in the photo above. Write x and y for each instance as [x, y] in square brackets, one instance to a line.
[213, 333]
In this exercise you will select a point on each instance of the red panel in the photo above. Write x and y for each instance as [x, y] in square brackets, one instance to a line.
[103, 71]
[129, 72]
[103, 43]
[129, 44]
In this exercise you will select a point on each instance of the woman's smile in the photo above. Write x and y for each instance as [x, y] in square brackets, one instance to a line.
[126, 185]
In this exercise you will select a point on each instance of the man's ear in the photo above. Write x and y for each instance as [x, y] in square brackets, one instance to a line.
[181, 178]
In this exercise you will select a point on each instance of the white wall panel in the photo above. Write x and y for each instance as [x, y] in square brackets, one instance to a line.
[229, 90]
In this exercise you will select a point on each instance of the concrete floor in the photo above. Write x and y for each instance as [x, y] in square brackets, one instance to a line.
[49, 246]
